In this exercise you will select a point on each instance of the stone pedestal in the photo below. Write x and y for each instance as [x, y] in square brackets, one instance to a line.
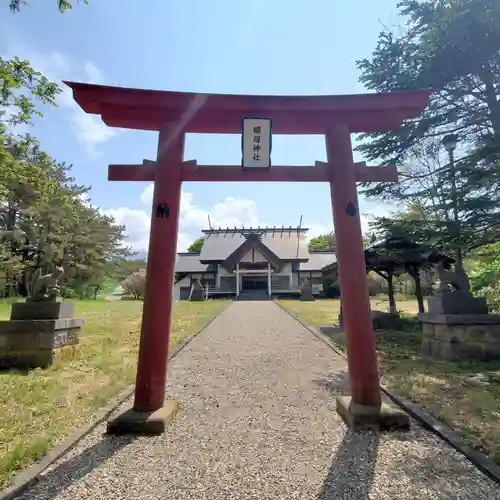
[39, 334]
[460, 336]
[42, 310]
[458, 302]
[306, 293]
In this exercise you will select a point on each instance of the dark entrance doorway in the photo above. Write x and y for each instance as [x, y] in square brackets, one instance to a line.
[254, 283]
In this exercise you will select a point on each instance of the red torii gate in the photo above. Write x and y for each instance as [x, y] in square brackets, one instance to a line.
[173, 114]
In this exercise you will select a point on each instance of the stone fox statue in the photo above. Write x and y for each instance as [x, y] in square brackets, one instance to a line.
[451, 280]
[45, 287]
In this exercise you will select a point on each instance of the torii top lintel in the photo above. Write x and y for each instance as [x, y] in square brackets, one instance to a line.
[222, 113]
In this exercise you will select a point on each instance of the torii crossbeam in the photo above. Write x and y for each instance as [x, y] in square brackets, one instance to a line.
[174, 114]
[191, 171]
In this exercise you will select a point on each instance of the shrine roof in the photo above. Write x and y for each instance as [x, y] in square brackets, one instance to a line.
[285, 243]
[222, 113]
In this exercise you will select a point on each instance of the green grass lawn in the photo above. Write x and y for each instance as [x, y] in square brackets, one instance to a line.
[41, 407]
[5, 307]
[463, 394]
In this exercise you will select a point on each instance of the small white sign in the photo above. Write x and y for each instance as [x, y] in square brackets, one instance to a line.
[256, 142]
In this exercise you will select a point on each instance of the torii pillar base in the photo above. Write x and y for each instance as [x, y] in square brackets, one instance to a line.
[149, 423]
[360, 417]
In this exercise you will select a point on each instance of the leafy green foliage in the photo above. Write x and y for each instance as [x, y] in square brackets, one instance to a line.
[452, 47]
[484, 272]
[323, 242]
[44, 218]
[21, 89]
[426, 190]
[118, 269]
[197, 245]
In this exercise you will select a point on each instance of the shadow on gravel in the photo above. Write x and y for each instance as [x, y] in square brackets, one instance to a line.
[52, 483]
[352, 471]
[353, 468]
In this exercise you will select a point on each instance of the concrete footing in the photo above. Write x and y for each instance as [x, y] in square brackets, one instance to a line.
[359, 417]
[150, 423]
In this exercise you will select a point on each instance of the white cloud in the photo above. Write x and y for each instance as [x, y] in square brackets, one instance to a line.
[89, 130]
[192, 219]
[317, 229]
[84, 198]
[93, 73]
[137, 223]
[375, 209]
[229, 212]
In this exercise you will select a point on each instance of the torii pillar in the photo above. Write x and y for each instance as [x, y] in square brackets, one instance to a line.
[151, 412]
[174, 114]
[364, 407]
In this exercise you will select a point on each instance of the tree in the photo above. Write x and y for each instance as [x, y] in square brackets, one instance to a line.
[431, 200]
[27, 182]
[323, 242]
[21, 86]
[119, 268]
[197, 245]
[408, 238]
[21, 89]
[44, 219]
[395, 255]
[135, 284]
[452, 47]
[484, 272]
[87, 252]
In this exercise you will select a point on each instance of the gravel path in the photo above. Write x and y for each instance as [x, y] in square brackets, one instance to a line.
[116, 295]
[259, 422]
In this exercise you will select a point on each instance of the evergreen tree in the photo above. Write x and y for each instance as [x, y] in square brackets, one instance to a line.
[323, 242]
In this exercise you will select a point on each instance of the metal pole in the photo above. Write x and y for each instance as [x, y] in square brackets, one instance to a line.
[456, 219]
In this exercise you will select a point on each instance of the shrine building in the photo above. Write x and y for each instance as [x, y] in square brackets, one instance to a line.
[252, 263]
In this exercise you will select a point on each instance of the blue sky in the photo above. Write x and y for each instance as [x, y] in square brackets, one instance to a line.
[256, 46]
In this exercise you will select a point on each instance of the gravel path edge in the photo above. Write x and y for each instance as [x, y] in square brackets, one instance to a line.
[429, 422]
[27, 477]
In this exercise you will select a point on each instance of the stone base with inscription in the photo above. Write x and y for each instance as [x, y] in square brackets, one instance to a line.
[39, 334]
